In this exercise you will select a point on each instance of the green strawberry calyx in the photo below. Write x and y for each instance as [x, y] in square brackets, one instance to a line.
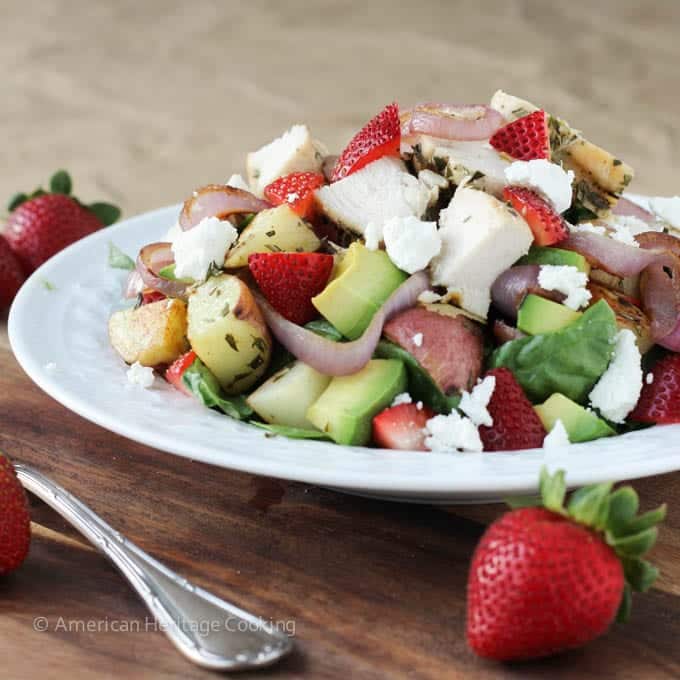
[61, 183]
[613, 514]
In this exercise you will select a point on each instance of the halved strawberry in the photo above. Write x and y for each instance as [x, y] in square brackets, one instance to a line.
[297, 190]
[289, 281]
[547, 225]
[660, 400]
[149, 296]
[401, 427]
[381, 136]
[525, 139]
[176, 370]
[515, 423]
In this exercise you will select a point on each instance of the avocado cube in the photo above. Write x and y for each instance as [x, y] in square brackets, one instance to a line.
[361, 283]
[538, 315]
[346, 408]
[555, 256]
[581, 425]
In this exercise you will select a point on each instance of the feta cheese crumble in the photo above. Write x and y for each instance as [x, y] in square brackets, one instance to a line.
[567, 280]
[418, 339]
[237, 182]
[668, 209]
[588, 228]
[373, 235]
[428, 297]
[649, 378]
[473, 404]
[557, 437]
[621, 232]
[140, 375]
[403, 398]
[411, 243]
[196, 249]
[452, 433]
[544, 177]
[633, 224]
[618, 389]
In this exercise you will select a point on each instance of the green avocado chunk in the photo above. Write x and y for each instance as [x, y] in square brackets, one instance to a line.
[345, 410]
[568, 361]
[555, 256]
[581, 425]
[539, 315]
[361, 283]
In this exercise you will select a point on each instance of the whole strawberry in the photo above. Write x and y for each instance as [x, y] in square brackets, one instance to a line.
[11, 274]
[43, 223]
[546, 579]
[15, 522]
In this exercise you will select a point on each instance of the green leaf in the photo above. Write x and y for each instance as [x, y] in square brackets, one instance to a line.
[647, 520]
[590, 505]
[60, 183]
[107, 213]
[290, 432]
[48, 285]
[623, 504]
[626, 602]
[640, 574]
[16, 201]
[568, 361]
[325, 329]
[118, 259]
[517, 502]
[204, 386]
[420, 384]
[635, 545]
[553, 489]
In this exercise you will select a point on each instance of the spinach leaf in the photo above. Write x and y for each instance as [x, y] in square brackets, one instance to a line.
[420, 384]
[204, 386]
[568, 361]
[118, 259]
[290, 432]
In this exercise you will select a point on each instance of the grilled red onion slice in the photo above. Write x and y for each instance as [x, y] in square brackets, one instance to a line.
[514, 284]
[627, 208]
[660, 294]
[150, 261]
[504, 332]
[341, 358]
[133, 285]
[218, 200]
[452, 121]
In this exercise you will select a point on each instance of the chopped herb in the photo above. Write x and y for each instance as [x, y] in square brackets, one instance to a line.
[226, 309]
[118, 259]
[48, 284]
[259, 343]
[270, 233]
[256, 174]
[239, 376]
[272, 247]
[256, 362]
[139, 301]
[616, 161]
[627, 180]
[477, 175]
[231, 341]
[213, 270]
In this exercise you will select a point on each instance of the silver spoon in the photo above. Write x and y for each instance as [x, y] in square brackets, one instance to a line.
[208, 631]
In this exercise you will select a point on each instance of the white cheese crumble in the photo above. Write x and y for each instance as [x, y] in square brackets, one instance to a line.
[567, 280]
[632, 224]
[618, 389]
[418, 339]
[373, 235]
[620, 232]
[557, 437]
[237, 182]
[649, 378]
[588, 228]
[544, 177]
[196, 249]
[411, 243]
[140, 375]
[403, 398]
[428, 297]
[668, 209]
[448, 434]
[473, 404]
[419, 405]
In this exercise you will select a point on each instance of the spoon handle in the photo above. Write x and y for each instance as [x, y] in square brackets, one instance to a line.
[207, 630]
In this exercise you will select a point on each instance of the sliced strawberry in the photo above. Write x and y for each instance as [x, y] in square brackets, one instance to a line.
[525, 139]
[660, 400]
[381, 136]
[149, 296]
[176, 371]
[515, 423]
[401, 427]
[547, 225]
[297, 190]
[289, 281]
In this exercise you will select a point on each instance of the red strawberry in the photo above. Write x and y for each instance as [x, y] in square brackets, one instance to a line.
[515, 423]
[401, 427]
[381, 136]
[660, 400]
[297, 190]
[11, 274]
[149, 296]
[15, 522]
[546, 579]
[175, 371]
[42, 224]
[547, 226]
[525, 139]
[289, 281]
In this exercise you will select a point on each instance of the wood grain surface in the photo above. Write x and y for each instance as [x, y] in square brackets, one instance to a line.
[145, 100]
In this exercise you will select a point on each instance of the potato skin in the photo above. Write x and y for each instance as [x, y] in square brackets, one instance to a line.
[227, 331]
[152, 334]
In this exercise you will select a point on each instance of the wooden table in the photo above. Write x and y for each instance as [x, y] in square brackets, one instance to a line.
[144, 101]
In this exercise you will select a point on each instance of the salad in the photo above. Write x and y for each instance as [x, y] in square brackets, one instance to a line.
[459, 278]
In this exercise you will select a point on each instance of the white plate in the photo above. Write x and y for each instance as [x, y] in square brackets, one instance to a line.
[67, 327]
